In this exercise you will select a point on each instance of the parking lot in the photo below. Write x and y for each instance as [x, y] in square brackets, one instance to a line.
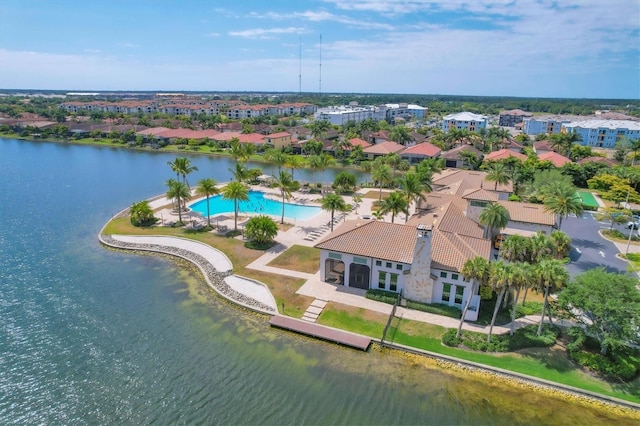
[589, 249]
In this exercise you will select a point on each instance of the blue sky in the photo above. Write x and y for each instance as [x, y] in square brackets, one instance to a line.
[563, 48]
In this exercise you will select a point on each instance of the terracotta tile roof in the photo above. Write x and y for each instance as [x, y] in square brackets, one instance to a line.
[555, 158]
[379, 240]
[449, 251]
[517, 112]
[480, 195]
[598, 160]
[454, 154]
[504, 154]
[279, 135]
[153, 131]
[422, 149]
[542, 146]
[438, 199]
[383, 148]
[447, 217]
[529, 213]
[359, 142]
[457, 181]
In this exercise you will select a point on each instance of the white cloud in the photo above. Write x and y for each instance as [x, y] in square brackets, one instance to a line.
[319, 16]
[263, 33]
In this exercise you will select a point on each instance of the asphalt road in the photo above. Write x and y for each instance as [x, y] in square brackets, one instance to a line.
[589, 249]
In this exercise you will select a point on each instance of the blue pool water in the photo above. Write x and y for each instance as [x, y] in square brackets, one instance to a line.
[257, 204]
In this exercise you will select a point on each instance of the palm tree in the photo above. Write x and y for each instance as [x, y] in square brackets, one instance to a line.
[563, 201]
[286, 185]
[277, 157]
[357, 199]
[381, 173]
[412, 189]
[393, 160]
[514, 248]
[551, 275]
[498, 173]
[523, 277]
[475, 270]
[333, 202]
[561, 242]
[240, 172]
[294, 162]
[378, 215]
[261, 229]
[182, 166]
[180, 192]
[395, 203]
[500, 275]
[321, 162]
[141, 213]
[207, 187]
[319, 128]
[494, 217]
[236, 191]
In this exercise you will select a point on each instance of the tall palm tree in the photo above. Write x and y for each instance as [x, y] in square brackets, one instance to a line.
[182, 166]
[494, 217]
[236, 191]
[240, 172]
[277, 157]
[285, 183]
[180, 192]
[321, 162]
[207, 187]
[381, 173]
[475, 270]
[514, 248]
[561, 243]
[395, 203]
[333, 202]
[552, 276]
[294, 162]
[563, 201]
[523, 277]
[500, 275]
[412, 189]
[498, 173]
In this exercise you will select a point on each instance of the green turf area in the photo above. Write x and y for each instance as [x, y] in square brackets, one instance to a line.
[588, 199]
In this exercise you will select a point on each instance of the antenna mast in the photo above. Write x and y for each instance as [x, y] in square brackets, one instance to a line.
[320, 87]
[300, 66]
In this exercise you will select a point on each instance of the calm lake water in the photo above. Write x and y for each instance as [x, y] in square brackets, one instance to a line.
[91, 336]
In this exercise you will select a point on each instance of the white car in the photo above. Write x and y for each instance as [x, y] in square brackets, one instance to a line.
[635, 224]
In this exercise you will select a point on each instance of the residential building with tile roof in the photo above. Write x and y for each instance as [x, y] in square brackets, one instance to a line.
[416, 153]
[453, 159]
[503, 154]
[556, 159]
[382, 148]
[606, 161]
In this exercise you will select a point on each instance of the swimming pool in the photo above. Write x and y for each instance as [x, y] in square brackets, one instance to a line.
[257, 204]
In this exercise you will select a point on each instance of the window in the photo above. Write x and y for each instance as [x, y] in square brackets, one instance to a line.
[476, 203]
[335, 256]
[446, 292]
[393, 285]
[389, 265]
[360, 260]
[378, 263]
[459, 294]
[382, 279]
[399, 267]
[443, 275]
[454, 276]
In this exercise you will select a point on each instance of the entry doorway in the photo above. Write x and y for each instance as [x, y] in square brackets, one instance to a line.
[334, 271]
[359, 276]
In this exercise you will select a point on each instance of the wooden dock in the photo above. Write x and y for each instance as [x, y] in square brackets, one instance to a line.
[321, 332]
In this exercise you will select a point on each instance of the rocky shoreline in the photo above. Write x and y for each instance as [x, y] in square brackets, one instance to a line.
[214, 278]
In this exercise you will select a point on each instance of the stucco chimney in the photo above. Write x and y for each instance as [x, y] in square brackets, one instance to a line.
[419, 284]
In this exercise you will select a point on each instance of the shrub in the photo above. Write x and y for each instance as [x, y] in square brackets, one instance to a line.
[486, 293]
[435, 308]
[514, 197]
[525, 337]
[449, 338]
[382, 296]
[622, 364]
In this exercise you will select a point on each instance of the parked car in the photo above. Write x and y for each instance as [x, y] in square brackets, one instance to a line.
[635, 224]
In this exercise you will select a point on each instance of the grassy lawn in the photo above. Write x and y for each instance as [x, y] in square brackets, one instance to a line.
[298, 258]
[375, 194]
[588, 199]
[546, 363]
[282, 287]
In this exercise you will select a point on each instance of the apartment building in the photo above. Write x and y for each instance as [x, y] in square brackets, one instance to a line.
[464, 120]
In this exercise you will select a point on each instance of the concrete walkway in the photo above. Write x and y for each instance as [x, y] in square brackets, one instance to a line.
[246, 289]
